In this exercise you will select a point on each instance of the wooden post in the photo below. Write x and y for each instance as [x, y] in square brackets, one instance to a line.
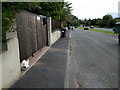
[49, 31]
[119, 39]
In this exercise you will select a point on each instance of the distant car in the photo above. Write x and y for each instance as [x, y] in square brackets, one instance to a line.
[86, 28]
[71, 27]
[114, 29]
[91, 26]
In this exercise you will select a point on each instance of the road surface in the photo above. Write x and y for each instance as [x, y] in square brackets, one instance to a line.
[109, 29]
[93, 62]
[104, 29]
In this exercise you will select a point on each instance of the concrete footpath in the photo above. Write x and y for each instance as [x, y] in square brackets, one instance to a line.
[50, 70]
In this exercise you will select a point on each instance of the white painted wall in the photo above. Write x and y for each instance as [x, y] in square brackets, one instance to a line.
[10, 61]
[55, 36]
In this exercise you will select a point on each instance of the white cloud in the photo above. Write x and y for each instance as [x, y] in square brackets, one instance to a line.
[93, 8]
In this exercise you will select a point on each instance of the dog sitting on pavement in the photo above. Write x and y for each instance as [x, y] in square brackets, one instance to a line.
[24, 65]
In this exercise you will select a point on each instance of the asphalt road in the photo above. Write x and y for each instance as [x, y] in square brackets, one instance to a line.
[104, 29]
[94, 60]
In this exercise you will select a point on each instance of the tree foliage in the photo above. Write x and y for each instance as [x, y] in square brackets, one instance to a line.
[106, 21]
[9, 10]
[66, 14]
[75, 21]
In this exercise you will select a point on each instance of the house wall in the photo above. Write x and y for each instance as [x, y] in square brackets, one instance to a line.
[10, 61]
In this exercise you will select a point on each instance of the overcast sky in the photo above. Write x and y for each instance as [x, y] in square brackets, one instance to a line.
[94, 8]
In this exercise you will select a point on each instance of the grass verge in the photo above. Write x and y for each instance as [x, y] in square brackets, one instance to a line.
[103, 27]
[70, 50]
[102, 31]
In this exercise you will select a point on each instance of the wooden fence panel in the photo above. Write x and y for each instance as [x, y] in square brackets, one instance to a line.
[22, 36]
[39, 33]
[32, 34]
[43, 29]
[32, 21]
[56, 24]
[45, 33]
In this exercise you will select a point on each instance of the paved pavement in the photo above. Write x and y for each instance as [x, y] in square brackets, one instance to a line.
[94, 60]
[50, 70]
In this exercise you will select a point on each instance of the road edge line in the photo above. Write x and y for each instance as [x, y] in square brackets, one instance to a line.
[66, 82]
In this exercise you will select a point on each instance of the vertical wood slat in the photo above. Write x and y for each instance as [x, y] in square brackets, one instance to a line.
[21, 36]
[28, 35]
[39, 36]
[42, 43]
[33, 34]
[45, 34]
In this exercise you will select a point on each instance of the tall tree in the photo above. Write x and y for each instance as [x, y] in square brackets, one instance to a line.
[106, 20]
[9, 9]
[66, 14]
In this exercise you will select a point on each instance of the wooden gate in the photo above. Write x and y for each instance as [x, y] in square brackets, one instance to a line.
[32, 33]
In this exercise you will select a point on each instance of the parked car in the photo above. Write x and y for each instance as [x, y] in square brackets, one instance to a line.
[114, 29]
[91, 26]
[86, 28]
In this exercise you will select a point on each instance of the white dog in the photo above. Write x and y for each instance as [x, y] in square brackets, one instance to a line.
[24, 65]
